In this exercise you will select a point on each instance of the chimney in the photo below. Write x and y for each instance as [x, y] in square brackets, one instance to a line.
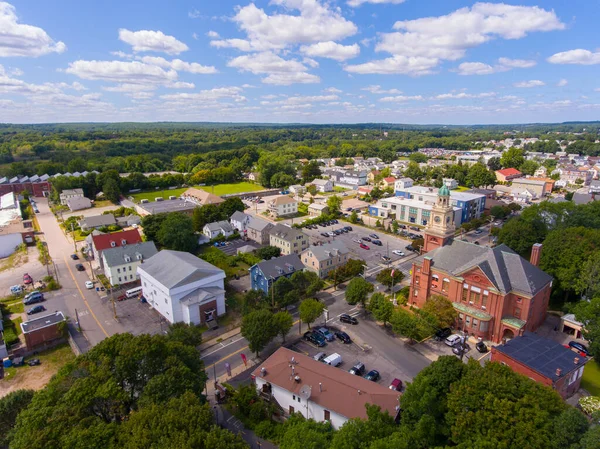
[426, 265]
[576, 360]
[536, 253]
[320, 387]
[558, 372]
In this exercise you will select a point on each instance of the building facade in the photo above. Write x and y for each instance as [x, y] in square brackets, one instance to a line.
[239, 220]
[265, 273]
[212, 230]
[259, 230]
[508, 174]
[36, 185]
[66, 195]
[325, 258]
[288, 240]
[323, 185]
[283, 206]
[100, 242]
[408, 210]
[201, 197]
[120, 263]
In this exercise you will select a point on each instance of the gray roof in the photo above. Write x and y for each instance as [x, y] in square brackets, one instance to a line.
[508, 271]
[583, 198]
[41, 322]
[177, 205]
[176, 268]
[279, 266]
[72, 192]
[117, 256]
[320, 182]
[326, 251]
[285, 232]
[98, 220]
[239, 216]
[217, 226]
[542, 355]
[259, 224]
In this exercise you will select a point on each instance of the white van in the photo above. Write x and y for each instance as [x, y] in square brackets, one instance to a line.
[133, 292]
[334, 359]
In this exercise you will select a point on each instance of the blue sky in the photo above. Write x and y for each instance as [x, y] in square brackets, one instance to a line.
[309, 61]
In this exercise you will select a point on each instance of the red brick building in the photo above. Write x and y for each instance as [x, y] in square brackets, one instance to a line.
[496, 292]
[43, 331]
[35, 185]
[507, 174]
[544, 361]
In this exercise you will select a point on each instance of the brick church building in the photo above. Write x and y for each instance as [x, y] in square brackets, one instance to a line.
[496, 292]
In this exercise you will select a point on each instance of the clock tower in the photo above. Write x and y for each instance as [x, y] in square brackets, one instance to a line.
[440, 228]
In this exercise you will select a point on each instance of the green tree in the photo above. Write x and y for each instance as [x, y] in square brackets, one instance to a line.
[10, 406]
[413, 171]
[381, 308]
[203, 215]
[310, 171]
[419, 158]
[312, 189]
[357, 433]
[253, 300]
[353, 217]
[306, 283]
[231, 205]
[512, 158]
[111, 190]
[185, 333]
[529, 167]
[479, 175]
[385, 277]
[283, 323]
[441, 308]
[520, 234]
[268, 252]
[497, 212]
[300, 433]
[151, 225]
[494, 163]
[177, 233]
[310, 309]
[568, 429]
[258, 328]
[282, 180]
[334, 203]
[589, 312]
[358, 290]
[589, 440]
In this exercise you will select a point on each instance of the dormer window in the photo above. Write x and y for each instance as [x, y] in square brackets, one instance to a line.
[123, 242]
[113, 244]
[127, 259]
[138, 256]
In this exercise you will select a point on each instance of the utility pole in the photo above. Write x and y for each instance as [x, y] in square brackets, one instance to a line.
[112, 300]
[73, 235]
[77, 321]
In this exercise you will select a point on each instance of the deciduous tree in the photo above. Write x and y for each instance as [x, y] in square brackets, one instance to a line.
[259, 329]
[441, 308]
[310, 309]
[283, 322]
[358, 290]
[385, 277]
[177, 233]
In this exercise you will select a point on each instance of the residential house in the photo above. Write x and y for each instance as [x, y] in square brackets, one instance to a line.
[201, 197]
[44, 331]
[296, 383]
[543, 360]
[297, 189]
[212, 230]
[282, 206]
[524, 196]
[97, 222]
[254, 176]
[173, 204]
[403, 183]
[323, 185]
[239, 220]
[182, 287]
[289, 240]
[539, 188]
[571, 174]
[541, 172]
[372, 175]
[35, 185]
[258, 230]
[120, 263]
[323, 259]
[508, 174]
[450, 183]
[78, 203]
[316, 210]
[68, 194]
[265, 273]
[129, 220]
[100, 242]
[388, 183]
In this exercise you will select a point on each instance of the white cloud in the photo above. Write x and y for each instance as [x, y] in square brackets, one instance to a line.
[121, 54]
[310, 62]
[18, 39]
[401, 98]
[563, 82]
[180, 85]
[147, 40]
[131, 72]
[475, 68]
[285, 79]
[528, 84]
[331, 50]
[15, 71]
[376, 89]
[269, 97]
[463, 95]
[179, 65]
[516, 63]
[281, 71]
[127, 88]
[195, 14]
[356, 3]
[309, 98]
[195, 36]
[333, 90]
[419, 45]
[503, 65]
[213, 34]
[579, 56]
[219, 93]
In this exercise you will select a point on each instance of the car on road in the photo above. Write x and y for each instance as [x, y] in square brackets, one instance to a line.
[366, 239]
[373, 375]
[358, 369]
[481, 347]
[345, 318]
[79, 267]
[386, 258]
[453, 339]
[89, 284]
[410, 248]
[325, 333]
[36, 309]
[319, 356]
[363, 246]
[580, 347]
[441, 334]
[74, 257]
[396, 385]
[397, 252]
[478, 231]
[33, 297]
[27, 279]
[356, 241]
[374, 236]
[344, 337]
[315, 339]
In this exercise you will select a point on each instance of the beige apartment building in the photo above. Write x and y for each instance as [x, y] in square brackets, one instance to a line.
[325, 258]
[288, 240]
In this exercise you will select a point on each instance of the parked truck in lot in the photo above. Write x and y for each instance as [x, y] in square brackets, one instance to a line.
[334, 359]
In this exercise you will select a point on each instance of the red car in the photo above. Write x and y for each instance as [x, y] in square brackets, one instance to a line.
[363, 246]
[27, 279]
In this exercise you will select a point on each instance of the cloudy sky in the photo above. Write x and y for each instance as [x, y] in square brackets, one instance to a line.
[309, 61]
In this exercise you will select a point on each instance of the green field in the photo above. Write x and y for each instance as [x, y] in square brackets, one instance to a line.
[591, 378]
[221, 189]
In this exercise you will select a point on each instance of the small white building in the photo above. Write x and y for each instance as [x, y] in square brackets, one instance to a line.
[68, 194]
[323, 185]
[120, 263]
[283, 205]
[297, 189]
[450, 183]
[79, 203]
[316, 210]
[212, 230]
[240, 220]
[182, 287]
[403, 183]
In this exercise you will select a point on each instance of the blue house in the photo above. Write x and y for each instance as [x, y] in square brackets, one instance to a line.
[265, 273]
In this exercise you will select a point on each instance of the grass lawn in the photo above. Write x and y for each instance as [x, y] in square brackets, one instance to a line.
[221, 189]
[591, 378]
[103, 203]
[12, 330]
[79, 237]
[460, 189]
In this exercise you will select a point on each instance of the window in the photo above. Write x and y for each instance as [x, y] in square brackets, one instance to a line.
[483, 326]
[166, 302]
[417, 279]
[129, 267]
[460, 317]
[475, 323]
[119, 279]
[326, 415]
[468, 321]
[445, 284]
[484, 298]
[293, 397]
[465, 292]
[517, 313]
[118, 270]
[298, 398]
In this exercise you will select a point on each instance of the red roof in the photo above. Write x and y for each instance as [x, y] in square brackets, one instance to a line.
[509, 172]
[103, 241]
[390, 179]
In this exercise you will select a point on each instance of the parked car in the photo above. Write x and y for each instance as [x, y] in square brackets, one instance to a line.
[16, 289]
[358, 369]
[345, 318]
[348, 228]
[36, 309]
[580, 347]
[481, 347]
[320, 356]
[478, 231]
[396, 385]
[366, 239]
[363, 246]
[386, 258]
[397, 252]
[373, 375]
[325, 333]
[314, 338]
[376, 242]
[122, 297]
[334, 359]
[79, 267]
[442, 334]
[410, 248]
[33, 297]
[374, 236]
[27, 279]
[452, 339]
[331, 234]
[344, 337]
[356, 241]
[89, 285]
[324, 234]
[334, 221]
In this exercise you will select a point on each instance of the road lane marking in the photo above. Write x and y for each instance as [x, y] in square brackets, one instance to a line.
[223, 346]
[83, 297]
[225, 358]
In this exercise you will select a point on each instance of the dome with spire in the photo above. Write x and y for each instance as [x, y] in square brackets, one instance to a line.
[444, 191]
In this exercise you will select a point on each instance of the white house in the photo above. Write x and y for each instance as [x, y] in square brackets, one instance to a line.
[283, 205]
[212, 230]
[120, 263]
[182, 287]
[66, 195]
[323, 185]
[403, 183]
[240, 220]
[297, 189]
[450, 183]
[300, 384]
[79, 203]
